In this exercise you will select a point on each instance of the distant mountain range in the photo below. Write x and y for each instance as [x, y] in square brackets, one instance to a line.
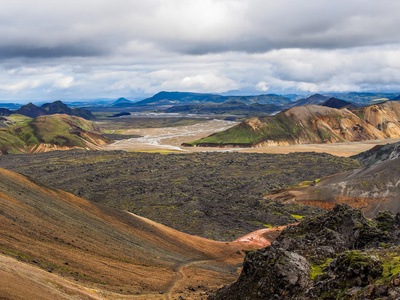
[163, 100]
[312, 124]
[231, 107]
[180, 98]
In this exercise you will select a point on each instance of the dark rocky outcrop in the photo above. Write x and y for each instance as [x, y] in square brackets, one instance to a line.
[31, 110]
[339, 255]
[57, 107]
[315, 99]
[5, 112]
[378, 154]
[337, 103]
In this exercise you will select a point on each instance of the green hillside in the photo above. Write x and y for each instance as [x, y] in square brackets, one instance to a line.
[53, 130]
[255, 130]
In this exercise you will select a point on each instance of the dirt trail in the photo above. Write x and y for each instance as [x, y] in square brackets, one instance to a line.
[180, 275]
[254, 240]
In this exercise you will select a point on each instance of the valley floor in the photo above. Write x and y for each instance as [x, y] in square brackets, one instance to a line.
[171, 138]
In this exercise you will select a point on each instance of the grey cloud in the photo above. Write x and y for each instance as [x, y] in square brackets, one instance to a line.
[196, 27]
[50, 52]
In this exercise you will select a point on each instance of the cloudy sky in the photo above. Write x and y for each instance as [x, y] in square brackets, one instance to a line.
[108, 49]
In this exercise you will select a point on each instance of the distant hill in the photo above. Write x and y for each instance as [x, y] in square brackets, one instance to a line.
[10, 105]
[181, 98]
[31, 110]
[231, 107]
[312, 124]
[57, 107]
[5, 112]
[337, 103]
[52, 132]
[362, 98]
[122, 102]
[396, 98]
[311, 100]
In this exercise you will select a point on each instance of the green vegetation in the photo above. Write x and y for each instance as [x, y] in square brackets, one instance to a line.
[297, 217]
[9, 144]
[59, 130]
[316, 269]
[205, 194]
[253, 131]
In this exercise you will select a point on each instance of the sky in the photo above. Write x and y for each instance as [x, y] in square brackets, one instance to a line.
[132, 48]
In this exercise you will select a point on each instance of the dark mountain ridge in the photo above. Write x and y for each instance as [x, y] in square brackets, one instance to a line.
[57, 107]
[337, 103]
[230, 107]
[315, 99]
[5, 112]
[181, 98]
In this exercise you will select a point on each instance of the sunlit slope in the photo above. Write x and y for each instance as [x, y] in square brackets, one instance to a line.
[312, 124]
[53, 132]
[105, 249]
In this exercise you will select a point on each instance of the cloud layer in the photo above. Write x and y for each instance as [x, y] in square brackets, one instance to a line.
[103, 48]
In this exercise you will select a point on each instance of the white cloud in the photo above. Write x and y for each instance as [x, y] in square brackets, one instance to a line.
[262, 86]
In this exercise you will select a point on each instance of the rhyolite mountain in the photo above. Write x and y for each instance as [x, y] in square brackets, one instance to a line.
[57, 107]
[339, 255]
[312, 124]
[51, 132]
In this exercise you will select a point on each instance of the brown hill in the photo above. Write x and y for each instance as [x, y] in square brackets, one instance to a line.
[312, 124]
[107, 253]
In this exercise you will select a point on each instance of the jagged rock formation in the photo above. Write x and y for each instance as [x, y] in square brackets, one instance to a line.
[378, 154]
[339, 255]
[312, 124]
